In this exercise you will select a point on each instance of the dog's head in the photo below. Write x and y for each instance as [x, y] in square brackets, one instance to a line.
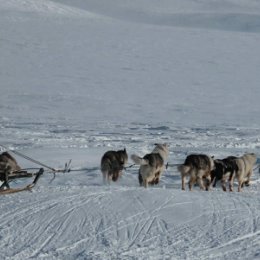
[123, 157]
[162, 149]
[230, 164]
[251, 157]
[218, 171]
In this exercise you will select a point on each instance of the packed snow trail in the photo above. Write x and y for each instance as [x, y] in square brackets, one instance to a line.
[109, 222]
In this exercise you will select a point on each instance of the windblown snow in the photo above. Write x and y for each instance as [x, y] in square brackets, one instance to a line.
[81, 77]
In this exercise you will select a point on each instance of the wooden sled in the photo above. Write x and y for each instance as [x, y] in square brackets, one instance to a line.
[6, 177]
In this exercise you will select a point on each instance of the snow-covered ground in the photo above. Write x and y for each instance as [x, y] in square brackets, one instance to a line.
[80, 77]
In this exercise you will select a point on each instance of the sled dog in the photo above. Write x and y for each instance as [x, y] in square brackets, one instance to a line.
[112, 165]
[245, 165]
[224, 170]
[151, 165]
[198, 167]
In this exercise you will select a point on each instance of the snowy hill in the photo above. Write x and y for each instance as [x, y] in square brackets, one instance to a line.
[80, 77]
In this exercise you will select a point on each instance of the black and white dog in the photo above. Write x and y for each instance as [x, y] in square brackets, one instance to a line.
[233, 167]
[224, 170]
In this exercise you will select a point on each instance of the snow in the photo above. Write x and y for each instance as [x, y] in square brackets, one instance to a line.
[80, 77]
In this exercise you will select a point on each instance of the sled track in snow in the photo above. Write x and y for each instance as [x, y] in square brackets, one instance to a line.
[148, 228]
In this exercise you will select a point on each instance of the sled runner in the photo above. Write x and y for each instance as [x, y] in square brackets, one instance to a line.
[6, 177]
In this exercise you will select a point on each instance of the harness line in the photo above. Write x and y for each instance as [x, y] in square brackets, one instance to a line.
[28, 158]
[67, 165]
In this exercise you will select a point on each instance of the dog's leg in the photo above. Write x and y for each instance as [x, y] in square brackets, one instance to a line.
[192, 181]
[106, 178]
[214, 182]
[231, 181]
[146, 183]
[247, 182]
[231, 186]
[115, 175]
[240, 184]
[105, 174]
[240, 178]
[208, 186]
[140, 178]
[200, 180]
[157, 177]
[223, 183]
[183, 179]
[208, 182]
[155, 181]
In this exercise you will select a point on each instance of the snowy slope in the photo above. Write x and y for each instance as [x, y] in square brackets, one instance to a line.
[80, 77]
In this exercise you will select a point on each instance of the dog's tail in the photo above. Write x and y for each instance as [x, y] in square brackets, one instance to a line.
[184, 169]
[138, 160]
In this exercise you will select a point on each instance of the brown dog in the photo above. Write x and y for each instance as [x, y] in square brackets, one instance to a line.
[243, 174]
[198, 167]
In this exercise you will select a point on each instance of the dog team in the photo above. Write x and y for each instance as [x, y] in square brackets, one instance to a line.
[201, 169]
